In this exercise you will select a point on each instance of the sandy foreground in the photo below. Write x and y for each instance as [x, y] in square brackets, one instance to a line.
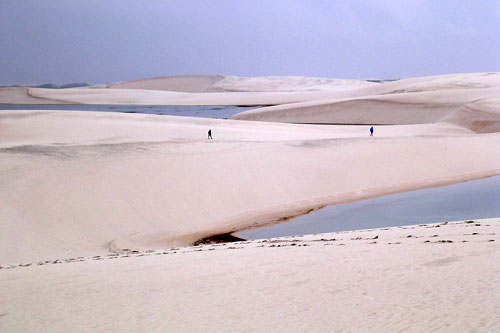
[436, 277]
[89, 186]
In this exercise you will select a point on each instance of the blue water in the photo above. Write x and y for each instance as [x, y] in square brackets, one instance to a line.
[220, 112]
[470, 200]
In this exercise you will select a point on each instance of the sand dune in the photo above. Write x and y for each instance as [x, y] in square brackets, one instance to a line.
[185, 83]
[19, 95]
[253, 173]
[434, 83]
[436, 277]
[191, 90]
[231, 90]
[220, 83]
[476, 109]
[78, 189]
[154, 97]
[288, 83]
[120, 179]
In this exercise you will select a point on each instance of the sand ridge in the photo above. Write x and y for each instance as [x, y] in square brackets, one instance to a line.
[231, 90]
[476, 109]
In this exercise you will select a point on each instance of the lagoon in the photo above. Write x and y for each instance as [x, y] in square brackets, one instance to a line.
[204, 111]
[469, 200]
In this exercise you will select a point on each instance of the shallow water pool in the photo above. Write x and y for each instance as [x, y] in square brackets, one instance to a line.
[219, 112]
[469, 200]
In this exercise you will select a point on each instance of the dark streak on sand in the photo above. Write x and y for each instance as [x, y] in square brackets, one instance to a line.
[67, 152]
[221, 238]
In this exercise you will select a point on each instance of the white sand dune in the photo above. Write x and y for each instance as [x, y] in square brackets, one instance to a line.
[476, 109]
[192, 90]
[437, 277]
[20, 95]
[434, 83]
[288, 83]
[155, 97]
[184, 83]
[132, 181]
[80, 184]
[231, 90]
[220, 83]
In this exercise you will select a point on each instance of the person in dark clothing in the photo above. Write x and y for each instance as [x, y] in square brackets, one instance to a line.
[371, 131]
[210, 134]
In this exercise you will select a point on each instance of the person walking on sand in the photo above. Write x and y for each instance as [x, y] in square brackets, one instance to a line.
[371, 131]
[210, 134]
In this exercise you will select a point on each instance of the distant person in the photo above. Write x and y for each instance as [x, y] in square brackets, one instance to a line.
[210, 134]
[371, 131]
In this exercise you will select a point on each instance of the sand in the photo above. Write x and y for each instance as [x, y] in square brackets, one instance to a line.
[84, 184]
[436, 277]
[75, 173]
[192, 90]
[231, 90]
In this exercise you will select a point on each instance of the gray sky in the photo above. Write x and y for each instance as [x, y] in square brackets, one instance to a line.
[99, 41]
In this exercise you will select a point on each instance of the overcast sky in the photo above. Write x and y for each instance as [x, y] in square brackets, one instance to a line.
[99, 41]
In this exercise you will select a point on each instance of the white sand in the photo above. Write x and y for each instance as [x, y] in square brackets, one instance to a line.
[477, 109]
[79, 184]
[143, 181]
[219, 83]
[409, 279]
[192, 90]
[231, 90]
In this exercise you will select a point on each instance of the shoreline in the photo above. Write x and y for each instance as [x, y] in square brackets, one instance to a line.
[307, 211]
[228, 241]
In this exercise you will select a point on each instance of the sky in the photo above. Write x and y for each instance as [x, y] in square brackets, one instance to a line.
[98, 41]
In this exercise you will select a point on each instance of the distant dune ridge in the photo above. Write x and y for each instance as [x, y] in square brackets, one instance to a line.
[78, 187]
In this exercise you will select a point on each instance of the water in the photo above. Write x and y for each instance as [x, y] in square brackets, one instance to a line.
[220, 112]
[470, 200]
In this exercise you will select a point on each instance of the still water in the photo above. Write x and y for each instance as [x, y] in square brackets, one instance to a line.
[470, 200]
[220, 112]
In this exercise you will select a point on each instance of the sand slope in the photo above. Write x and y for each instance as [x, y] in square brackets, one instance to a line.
[192, 90]
[437, 277]
[231, 90]
[220, 83]
[118, 181]
[154, 97]
[20, 95]
[185, 83]
[476, 109]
